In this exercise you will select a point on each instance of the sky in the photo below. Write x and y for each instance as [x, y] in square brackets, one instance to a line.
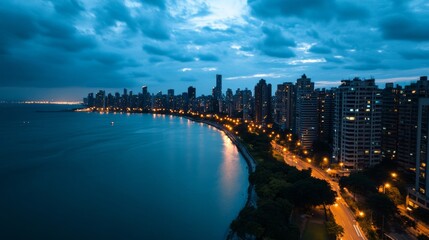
[63, 49]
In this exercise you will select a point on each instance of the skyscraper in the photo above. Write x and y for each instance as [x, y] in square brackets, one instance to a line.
[263, 102]
[192, 98]
[306, 121]
[285, 105]
[218, 88]
[390, 121]
[357, 124]
[325, 109]
[407, 130]
[419, 195]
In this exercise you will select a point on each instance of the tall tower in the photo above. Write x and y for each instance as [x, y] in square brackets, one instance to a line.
[285, 105]
[192, 98]
[419, 195]
[325, 109]
[357, 124]
[263, 102]
[218, 92]
[390, 120]
[306, 122]
[407, 130]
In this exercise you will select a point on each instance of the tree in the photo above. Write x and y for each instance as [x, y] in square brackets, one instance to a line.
[358, 182]
[334, 229]
[312, 192]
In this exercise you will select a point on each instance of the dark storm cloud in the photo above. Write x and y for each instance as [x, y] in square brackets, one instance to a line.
[208, 57]
[415, 54]
[151, 24]
[174, 54]
[40, 49]
[366, 66]
[105, 58]
[114, 11]
[334, 60]
[23, 28]
[317, 10]
[275, 44]
[140, 74]
[68, 7]
[179, 55]
[158, 3]
[405, 27]
[351, 11]
[188, 79]
[320, 49]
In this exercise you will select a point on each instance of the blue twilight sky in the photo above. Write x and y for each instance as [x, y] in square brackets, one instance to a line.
[62, 49]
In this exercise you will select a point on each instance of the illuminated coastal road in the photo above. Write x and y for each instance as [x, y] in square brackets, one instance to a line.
[343, 215]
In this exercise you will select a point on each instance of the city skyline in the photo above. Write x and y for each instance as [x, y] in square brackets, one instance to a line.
[61, 50]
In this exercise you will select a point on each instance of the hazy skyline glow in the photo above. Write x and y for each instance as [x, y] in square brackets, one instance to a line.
[62, 49]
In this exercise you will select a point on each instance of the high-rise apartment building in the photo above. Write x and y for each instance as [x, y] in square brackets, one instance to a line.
[263, 102]
[419, 195]
[218, 88]
[284, 110]
[407, 130]
[390, 121]
[357, 124]
[306, 121]
[325, 109]
[192, 98]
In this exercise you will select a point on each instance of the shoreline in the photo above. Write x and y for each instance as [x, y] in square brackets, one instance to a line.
[250, 161]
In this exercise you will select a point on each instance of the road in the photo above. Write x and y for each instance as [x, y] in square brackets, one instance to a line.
[342, 213]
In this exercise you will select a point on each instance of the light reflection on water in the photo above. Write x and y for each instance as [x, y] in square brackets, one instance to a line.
[74, 176]
[229, 166]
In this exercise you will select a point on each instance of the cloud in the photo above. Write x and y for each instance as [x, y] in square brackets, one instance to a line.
[157, 3]
[304, 61]
[258, 75]
[209, 69]
[319, 49]
[208, 57]
[188, 79]
[185, 69]
[415, 54]
[314, 10]
[405, 27]
[112, 12]
[172, 54]
[275, 44]
[68, 7]
[366, 66]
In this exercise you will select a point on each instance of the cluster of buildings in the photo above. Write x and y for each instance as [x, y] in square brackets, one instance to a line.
[361, 122]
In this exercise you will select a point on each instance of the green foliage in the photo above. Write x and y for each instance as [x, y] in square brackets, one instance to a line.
[381, 205]
[358, 182]
[280, 188]
[311, 192]
[394, 194]
[334, 230]
[422, 237]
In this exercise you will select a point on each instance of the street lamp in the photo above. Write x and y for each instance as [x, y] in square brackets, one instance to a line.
[386, 185]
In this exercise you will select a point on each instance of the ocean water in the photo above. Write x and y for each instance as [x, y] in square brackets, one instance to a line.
[75, 175]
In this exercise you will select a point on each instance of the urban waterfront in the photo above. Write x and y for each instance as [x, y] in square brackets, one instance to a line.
[67, 175]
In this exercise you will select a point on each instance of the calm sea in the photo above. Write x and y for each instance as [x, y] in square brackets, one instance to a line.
[69, 175]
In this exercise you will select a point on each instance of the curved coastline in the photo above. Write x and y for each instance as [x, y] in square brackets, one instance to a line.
[250, 161]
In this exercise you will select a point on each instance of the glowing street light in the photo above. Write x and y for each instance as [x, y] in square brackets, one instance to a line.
[361, 214]
[394, 175]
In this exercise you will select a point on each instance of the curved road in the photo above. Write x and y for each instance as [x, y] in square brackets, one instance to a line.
[342, 213]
